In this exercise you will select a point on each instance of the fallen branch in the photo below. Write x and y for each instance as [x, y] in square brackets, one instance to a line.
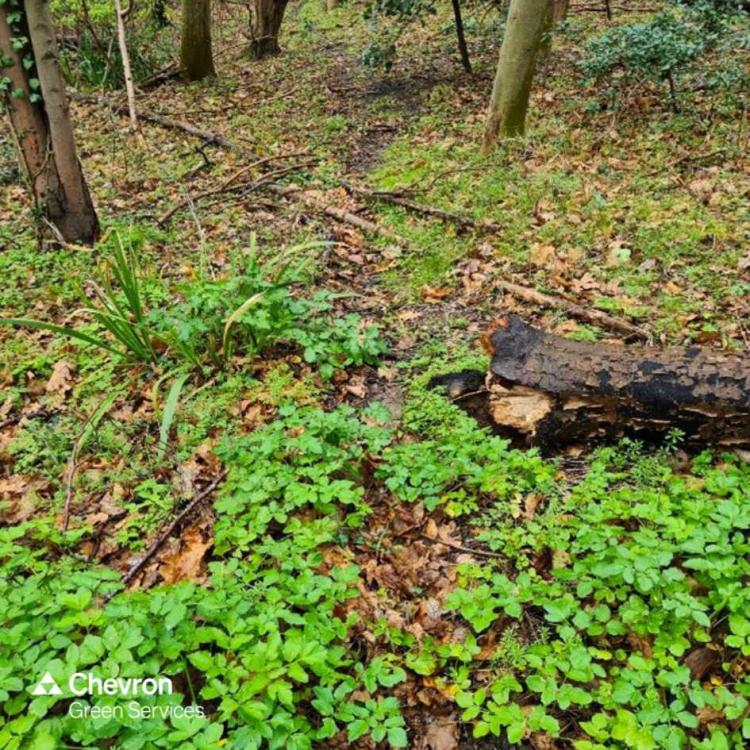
[229, 187]
[159, 541]
[589, 315]
[462, 548]
[291, 192]
[340, 214]
[460, 219]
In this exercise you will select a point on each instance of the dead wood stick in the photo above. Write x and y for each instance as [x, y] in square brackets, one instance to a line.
[589, 315]
[347, 217]
[462, 548]
[228, 187]
[69, 476]
[265, 160]
[460, 219]
[159, 541]
[284, 191]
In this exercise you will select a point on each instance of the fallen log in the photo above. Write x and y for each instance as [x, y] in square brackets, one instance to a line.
[554, 391]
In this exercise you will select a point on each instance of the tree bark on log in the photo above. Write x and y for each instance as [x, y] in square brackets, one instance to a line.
[555, 391]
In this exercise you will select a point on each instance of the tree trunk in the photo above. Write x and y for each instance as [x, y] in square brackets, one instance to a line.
[159, 14]
[462, 48]
[42, 128]
[126, 70]
[559, 10]
[196, 55]
[527, 22]
[266, 24]
[556, 391]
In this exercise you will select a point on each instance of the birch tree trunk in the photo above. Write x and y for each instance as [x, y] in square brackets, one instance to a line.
[196, 55]
[528, 20]
[268, 15]
[42, 128]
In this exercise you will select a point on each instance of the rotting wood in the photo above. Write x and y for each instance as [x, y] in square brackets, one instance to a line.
[555, 391]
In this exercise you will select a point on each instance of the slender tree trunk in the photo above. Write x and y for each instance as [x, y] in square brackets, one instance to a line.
[527, 22]
[159, 14]
[196, 55]
[462, 48]
[41, 124]
[559, 10]
[127, 73]
[557, 14]
[266, 24]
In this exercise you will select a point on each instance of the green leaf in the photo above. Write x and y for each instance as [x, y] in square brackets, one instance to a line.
[170, 409]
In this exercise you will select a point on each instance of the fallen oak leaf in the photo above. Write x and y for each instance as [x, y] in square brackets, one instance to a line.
[60, 380]
[185, 564]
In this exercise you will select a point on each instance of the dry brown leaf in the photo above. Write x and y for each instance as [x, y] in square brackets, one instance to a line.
[542, 255]
[60, 380]
[356, 387]
[433, 294]
[13, 485]
[585, 283]
[442, 734]
[531, 503]
[186, 563]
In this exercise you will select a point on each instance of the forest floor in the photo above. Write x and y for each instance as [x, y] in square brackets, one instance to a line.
[593, 599]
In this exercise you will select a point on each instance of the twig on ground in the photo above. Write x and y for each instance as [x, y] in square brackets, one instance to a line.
[574, 310]
[285, 191]
[90, 424]
[229, 187]
[159, 541]
[461, 548]
[398, 200]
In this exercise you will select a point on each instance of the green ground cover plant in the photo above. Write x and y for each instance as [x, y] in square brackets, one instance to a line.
[374, 570]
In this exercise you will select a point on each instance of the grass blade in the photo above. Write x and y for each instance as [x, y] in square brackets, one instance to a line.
[170, 409]
[232, 319]
[63, 330]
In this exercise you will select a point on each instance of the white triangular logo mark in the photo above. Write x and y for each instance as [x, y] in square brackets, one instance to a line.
[47, 686]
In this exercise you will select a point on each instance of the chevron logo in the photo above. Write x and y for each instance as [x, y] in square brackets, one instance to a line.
[47, 686]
